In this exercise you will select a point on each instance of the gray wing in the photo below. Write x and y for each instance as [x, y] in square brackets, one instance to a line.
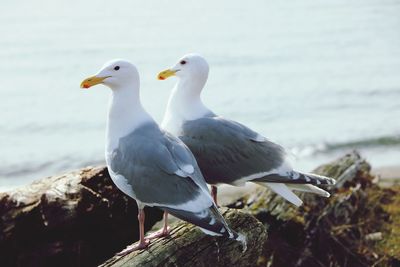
[227, 151]
[185, 160]
[160, 170]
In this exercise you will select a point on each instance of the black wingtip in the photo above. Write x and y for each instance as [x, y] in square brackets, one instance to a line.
[210, 220]
[242, 239]
[331, 181]
[318, 179]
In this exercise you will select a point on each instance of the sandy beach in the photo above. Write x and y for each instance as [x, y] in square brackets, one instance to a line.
[388, 175]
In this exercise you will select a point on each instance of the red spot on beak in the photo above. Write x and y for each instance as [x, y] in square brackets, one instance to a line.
[161, 78]
[86, 86]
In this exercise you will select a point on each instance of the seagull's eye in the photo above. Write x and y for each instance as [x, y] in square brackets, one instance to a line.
[183, 62]
[116, 68]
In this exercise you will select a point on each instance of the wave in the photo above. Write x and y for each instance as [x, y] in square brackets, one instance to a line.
[369, 142]
[375, 142]
[32, 169]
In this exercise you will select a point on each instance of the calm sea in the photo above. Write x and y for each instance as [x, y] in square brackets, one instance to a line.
[319, 77]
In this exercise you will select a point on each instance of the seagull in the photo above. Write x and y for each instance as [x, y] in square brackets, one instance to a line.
[228, 152]
[149, 164]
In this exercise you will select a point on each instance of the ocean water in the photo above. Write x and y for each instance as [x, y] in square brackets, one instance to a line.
[319, 77]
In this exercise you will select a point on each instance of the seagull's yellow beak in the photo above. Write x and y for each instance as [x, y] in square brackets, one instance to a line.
[166, 74]
[91, 81]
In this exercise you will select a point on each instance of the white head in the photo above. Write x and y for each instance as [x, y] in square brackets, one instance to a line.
[125, 112]
[185, 101]
[115, 74]
[191, 68]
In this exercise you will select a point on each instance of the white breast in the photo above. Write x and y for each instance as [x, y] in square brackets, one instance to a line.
[172, 123]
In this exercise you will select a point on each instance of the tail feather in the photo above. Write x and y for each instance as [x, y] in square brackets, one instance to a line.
[295, 177]
[284, 191]
[316, 179]
[309, 188]
[303, 183]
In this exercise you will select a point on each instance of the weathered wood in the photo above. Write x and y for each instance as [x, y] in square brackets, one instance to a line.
[188, 246]
[81, 219]
[263, 202]
[76, 219]
[327, 232]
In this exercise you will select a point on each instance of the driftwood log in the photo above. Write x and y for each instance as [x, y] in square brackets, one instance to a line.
[81, 219]
[188, 246]
[359, 225]
[76, 219]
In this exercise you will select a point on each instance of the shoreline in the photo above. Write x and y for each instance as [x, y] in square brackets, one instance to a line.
[388, 172]
[389, 175]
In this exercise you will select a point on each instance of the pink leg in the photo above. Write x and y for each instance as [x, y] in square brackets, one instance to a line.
[214, 191]
[143, 243]
[162, 232]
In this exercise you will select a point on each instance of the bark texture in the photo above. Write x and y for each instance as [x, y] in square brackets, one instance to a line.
[356, 226]
[188, 246]
[81, 219]
[76, 219]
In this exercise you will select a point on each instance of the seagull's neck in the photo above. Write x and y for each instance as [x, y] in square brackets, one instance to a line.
[125, 114]
[184, 104]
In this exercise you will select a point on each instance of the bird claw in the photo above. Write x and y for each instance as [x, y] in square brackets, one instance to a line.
[160, 233]
[137, 246]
